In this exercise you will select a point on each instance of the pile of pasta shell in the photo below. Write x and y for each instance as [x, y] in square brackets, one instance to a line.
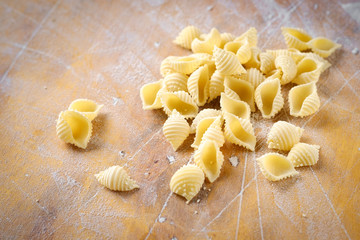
[245, 78]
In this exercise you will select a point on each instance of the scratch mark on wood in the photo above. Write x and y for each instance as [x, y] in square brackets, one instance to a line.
[18, 12]
[241, 197]
[258, 199]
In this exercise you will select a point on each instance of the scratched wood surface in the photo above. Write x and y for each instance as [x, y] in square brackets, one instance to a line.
[53, 52]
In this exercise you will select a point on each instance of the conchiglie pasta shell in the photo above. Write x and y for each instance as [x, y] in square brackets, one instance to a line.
[227, 63]
[215, 133]
[165, 67]
[207, 45]
[323, 46]
[187, 181]
[268, 98]
[303, 154]
[240, 49]
[250, 35]
[254, 76]
[115, 178]
[254, 61]
[308, 70]
[198, 85]
[73, 127]
[239, 131]
[176, 129]
[304, 100]
[325, 63]
[150, 95]
[210, 159]
[225, 38]
[186, 36]
[176, 82]
[181, 101]
[296, 38]
[288, 68]
[242, 88]
[267, 62]
[283, 136]
[185, 65]
[87, 107]
[275, 167]
[205, 113]
[201, 128]
[216, 86]
[295, 54]
[237, 107]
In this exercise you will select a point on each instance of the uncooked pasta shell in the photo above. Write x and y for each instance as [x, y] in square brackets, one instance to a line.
[87, 107]
[288, 68]
[296, 38]
[304, 100]
[115, 178]
[205, 113]
[73, 127]
[187, 181]
[176, 129]
[216, 86]
[215, 133]
[237, 107]
[227, 63]
[181, 101]
[254, 61]
[254, 76]
[174, 82]
[207, 44]
[267, 62]
[150, 95]
[268, 98]
[186, 36]
[283, 136]
[242, 88]
[275, 167]
[308, 70]
[323, 46]
[303, 154]
[225, 38]
[295, 54]
[198, 85]
[201, 128]
[250, 35]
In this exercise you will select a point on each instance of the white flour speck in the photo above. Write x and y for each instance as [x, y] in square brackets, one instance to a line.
[327, 12]
[26, 175]
[315, 6]
[196, 212]
[234, 161]
[45, 87]
[122, 153]
[146, 174]
[210, 8]
[117, 100]
[157, 44]
[355, 51]
[171, 159]
[162, 219]
[173, 238]
[198, 201]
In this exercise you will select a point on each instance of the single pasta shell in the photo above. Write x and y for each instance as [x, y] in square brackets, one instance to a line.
[239, 131]
[237, 107]
[115, 178]
[250, 35]
[165, 67]
[73, 127]
[205, 113]
[227, 63]
[210, 159]
[186, 36]
[87, 107]
[267, 62]
[296, 38]
[215, 133]
[304, 100]
[268, 98]
[185, 65]
[283, 136]
[176, 82]
[288, 68]
[187, 181]
[308, 70]
[243, 89]
[225, 38]
[275, 167]
[176, 129]
[216, 86]
[198, 85]
[150, 95]
[240, 49]
[317, 58]
[201, 128]
[211, 40]
[323, 46]
[181, 101]
[303, 154]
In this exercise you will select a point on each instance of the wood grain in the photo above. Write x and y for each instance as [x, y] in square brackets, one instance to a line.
[53, 52]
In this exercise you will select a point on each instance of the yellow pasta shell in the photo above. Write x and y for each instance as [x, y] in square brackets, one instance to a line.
[87, 107]
[187, 181]
[215, 133]
[225, 38]
[304, 100]
[150, 95]
[254, 76]
[250, 35]
[210, 159]
[240, 49]
[115, 178]
[207, 45]
[283, 136]
[216, 85]
[239, 131]
[201, 128]
[323, 46]
[237, 107]
[181, 101]
[275, 167]
[308, 70]
[176, 82]
[295, 54]
[267, 62]
[186, 36]
[254, 61]
[73, 127]
[185, 65]
[165, 67]
[242, 88]
[288, 68]
[176, 129]
[296, 38]
[227, 63]
[268, 98]
[198, 85]
[303, 154]
[205, 113]
[316, 57]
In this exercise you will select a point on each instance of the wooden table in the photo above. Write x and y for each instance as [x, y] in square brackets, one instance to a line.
[53, 52]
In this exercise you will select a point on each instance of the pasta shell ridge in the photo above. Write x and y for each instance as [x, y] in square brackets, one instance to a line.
[304, 100]
[303, 154]
[250, 35]
[181, 101]
[176, 129]
[115, 178]
[308, 70]
[216, 85]
[254, 76]
[213, 39]
[296, 38]
[205, 113]
[186, 36]
[225, 38]
[203, 125]
[288, 68]
[176, 82]
[227, 63]
[267, 62]
[214, 132]
[87, 107]
[283, 136]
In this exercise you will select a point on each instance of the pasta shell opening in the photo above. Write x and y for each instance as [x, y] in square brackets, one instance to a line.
[323, 46]
[276, 167]
[268, 98]
[207, 42]
[87, 107]
[149, 95]
[254, 61]
[201, 128]
[181, 101]
[237, 107]
[306, 65]
[198, 85]
[304, 100]
[205, 113]
[301, 35]
[243, 89]
[296, 38]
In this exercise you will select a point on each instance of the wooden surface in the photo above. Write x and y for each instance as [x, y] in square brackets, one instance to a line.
[53, 52]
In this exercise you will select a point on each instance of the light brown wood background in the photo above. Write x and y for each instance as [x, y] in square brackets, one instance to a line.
[53, 52]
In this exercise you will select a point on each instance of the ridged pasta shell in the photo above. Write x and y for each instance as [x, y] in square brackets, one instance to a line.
[227, 63]
[308, 70]
[210, 159]
[216, 86]
[185, 65]
[304, 100]
[150, 95]
[268, 98]
[254, 61]
[201, 128]
[187, 181]
[87, 107]
[240, 49]
[325, 63]
[198, 85]
[115, 178]
[176, 129]
[292, 52]
[186, 36]
[181, 101]
[288, 68]
[205, 113]
[250, 35]
[323, 46]
[176, 82]
[225, 38]
[237, 107]
[296, 38]
[165, 67]
[303, 154]
[242, 88]
[215, 133]
[283, 136]
[267, 62]
[239, 131]
[231, 94]
[207, 45]
[73, 127]
[254, 76]
[275, 167]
